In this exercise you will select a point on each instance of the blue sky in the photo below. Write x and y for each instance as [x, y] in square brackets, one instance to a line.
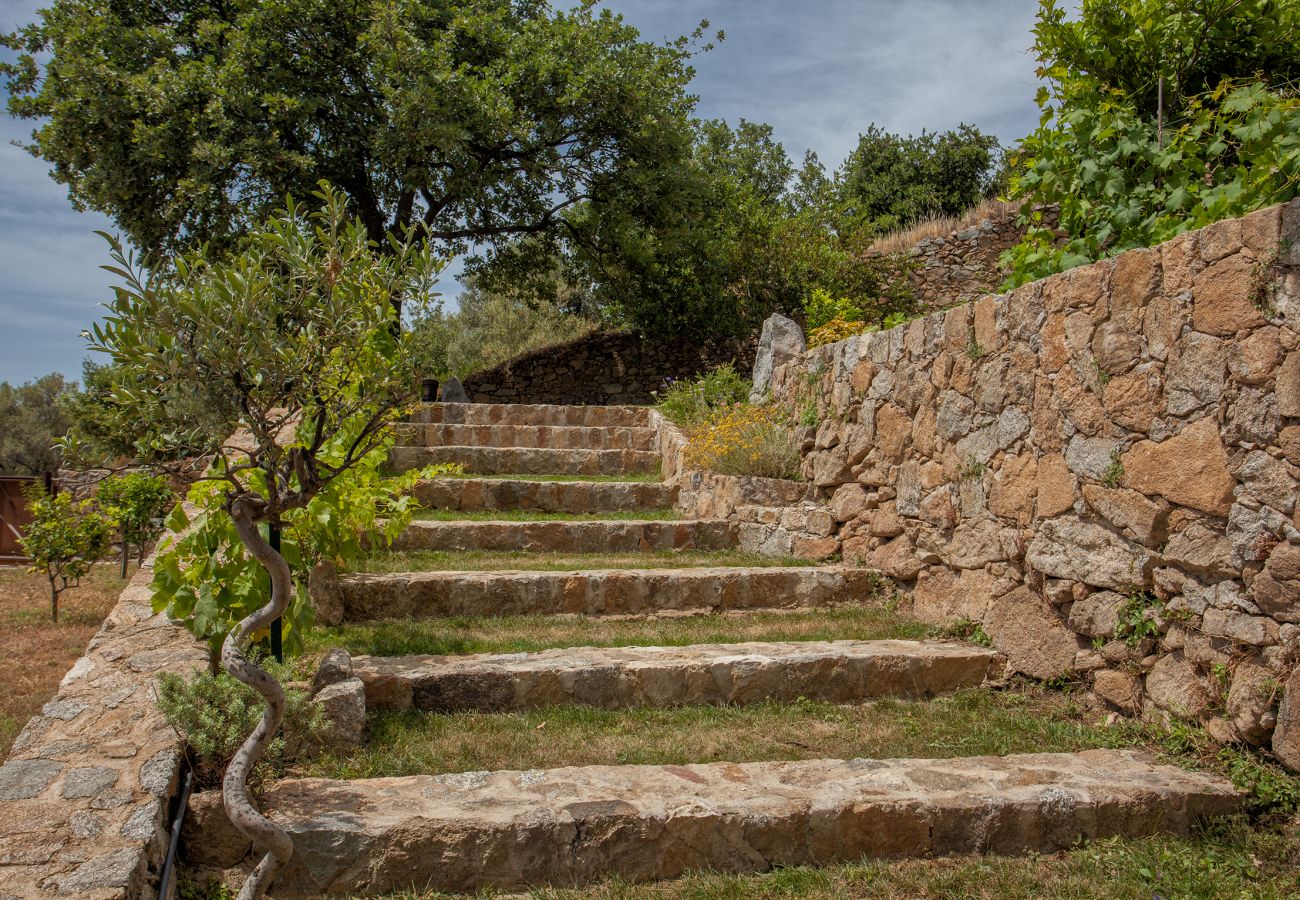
[819, 71]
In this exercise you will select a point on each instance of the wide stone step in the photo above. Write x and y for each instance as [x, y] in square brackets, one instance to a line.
[531, 414]
[528, 460]
[619, 677]
[515, 831]
[470, 494]
[569, 536]
[607, 592]
[553, 437]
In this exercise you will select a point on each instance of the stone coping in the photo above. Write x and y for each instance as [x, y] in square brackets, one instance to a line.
[86, 791]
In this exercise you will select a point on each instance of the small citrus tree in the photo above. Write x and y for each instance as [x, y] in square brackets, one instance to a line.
[64, 539]
[284, 363]
[139, 503]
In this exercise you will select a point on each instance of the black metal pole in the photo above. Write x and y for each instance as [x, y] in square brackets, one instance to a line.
[277, 627]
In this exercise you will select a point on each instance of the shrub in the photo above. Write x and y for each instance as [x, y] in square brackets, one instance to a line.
[64, 539]
[836, 329]
[746, 440]
[214, 713]
[691, 402]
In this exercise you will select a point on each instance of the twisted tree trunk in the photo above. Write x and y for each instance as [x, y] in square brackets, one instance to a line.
[239, 803]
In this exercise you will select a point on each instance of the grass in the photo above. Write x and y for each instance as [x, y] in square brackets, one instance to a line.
[519, 560]
[940, 226]
[532, 515]
[971, 722]
[632, 478]
[34, 652]
[527, 634]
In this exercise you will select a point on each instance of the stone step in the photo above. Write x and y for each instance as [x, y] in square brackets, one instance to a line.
[470, 494]
[516, 831]
[620, 677]
[567, 536]
[605, 592]
[552, 437]
[527, 460]
[531, 414]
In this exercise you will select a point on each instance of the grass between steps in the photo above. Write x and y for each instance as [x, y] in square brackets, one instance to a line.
[630, 478]
[521, 560]
[527, 634]
[1236, 857]
[532, 515]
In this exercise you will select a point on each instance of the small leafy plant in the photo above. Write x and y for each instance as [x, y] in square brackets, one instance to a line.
[1136, 620]
[966, 630]
[1114, 474]
[689, 402]
[64, 539]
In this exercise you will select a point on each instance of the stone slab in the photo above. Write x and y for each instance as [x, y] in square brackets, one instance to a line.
[528, 460]
[569, 536]
[520, 830]
[554, 437]
[604, 592]
[620, 677]
[531, 414]
[544, 496]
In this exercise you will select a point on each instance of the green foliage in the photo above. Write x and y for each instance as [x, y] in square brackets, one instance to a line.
[492, 326]
[889, 180]
[485, 119]
[1137, 618]
[292, 343]
[32, 419]
[966, 630]
[1122, 175]
[64, 539]
[1270, 789]
[690, 402]
[138, 503]
[215, 712]
[206, 579]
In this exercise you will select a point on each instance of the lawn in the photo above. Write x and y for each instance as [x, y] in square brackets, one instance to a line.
[520, 560]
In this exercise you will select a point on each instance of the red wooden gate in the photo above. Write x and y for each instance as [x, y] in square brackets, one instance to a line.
[13, 516]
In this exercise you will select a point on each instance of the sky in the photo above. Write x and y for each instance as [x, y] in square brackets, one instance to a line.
[818, 71]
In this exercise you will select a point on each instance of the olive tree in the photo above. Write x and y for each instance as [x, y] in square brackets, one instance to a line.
[281, 362]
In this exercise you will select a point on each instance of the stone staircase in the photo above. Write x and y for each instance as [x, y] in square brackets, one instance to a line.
[516, 830]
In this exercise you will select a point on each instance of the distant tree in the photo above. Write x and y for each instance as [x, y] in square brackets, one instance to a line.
[483, 120]
[32, 420]
[891, 180]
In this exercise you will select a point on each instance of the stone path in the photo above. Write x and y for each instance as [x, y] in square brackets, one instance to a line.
[518, 830]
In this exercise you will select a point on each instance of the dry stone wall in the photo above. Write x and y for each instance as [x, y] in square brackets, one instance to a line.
[1101, 468]
[964, 265]
[617, 368]
[85, 794]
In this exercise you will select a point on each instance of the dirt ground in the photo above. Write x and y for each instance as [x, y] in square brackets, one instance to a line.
[35, 653]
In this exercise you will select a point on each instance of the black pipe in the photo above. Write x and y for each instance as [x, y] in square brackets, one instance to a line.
[166, 885]
[277, 626]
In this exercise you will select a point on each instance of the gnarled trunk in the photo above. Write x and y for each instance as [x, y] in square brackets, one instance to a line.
[239, 803]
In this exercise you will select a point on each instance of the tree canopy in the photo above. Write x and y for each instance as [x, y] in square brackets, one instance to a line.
[484, 120]
[31, 422]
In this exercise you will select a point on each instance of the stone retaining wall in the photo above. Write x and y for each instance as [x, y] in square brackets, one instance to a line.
[85, 794]
[602, 368]
[1101, 468]
[964, 265]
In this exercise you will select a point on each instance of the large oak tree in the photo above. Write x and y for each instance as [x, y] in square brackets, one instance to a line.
[484, 120]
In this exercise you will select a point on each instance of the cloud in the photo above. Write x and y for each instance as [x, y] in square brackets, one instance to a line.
[819, 71]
